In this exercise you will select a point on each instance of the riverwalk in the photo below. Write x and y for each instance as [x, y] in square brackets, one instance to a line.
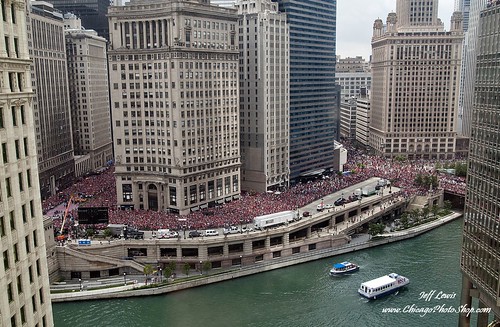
[358, 242]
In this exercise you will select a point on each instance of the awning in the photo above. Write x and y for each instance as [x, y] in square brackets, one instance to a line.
[204, 206]
[235, 197]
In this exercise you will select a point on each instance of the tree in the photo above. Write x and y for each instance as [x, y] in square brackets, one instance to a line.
[404, 220]
[186, 268]
[419, 180]
[415, 216]
[169, 269]
[107, 233]
[435, 210]
[375, 229]
[425, 212]
[400, 158]
[447, 206]
[207, 265]
[461, 169]
[148, 270]
[90, 232]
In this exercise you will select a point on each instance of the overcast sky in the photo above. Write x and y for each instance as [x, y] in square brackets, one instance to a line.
[355, 23]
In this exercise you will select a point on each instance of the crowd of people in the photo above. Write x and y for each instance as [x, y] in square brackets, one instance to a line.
[99, 191]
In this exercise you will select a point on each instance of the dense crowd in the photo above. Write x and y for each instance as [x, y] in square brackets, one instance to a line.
[99, 190]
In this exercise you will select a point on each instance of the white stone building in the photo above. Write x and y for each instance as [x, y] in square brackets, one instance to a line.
[416, 80]
[362, 120]
[24, 280]
[264, 95]
[89, 97]
[174, 95]
[51, 105]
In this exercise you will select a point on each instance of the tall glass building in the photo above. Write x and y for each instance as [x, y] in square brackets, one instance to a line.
[314, 98]
[480, 261]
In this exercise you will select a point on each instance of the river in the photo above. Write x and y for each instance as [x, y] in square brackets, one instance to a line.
[303, 295]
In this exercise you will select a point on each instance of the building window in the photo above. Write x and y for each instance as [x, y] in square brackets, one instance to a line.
[7, 186]
[25, 140]
[14, 117]
[2, 226]
[6, 263]
[4, 153]
[20, 178]
[12, 220]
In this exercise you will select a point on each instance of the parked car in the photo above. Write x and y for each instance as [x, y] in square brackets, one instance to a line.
[211, 232]
[306, 214]
[194, 233]
[328, 206]
[231, 230]
[246, 229]
[320, 207]
[172, 234]
[340, 201]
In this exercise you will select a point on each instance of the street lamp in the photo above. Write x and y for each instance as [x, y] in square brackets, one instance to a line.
[241, 225]
[161, 276]
[241, 262]
[201, 267]
[80, 281]
[125, 278]
[184, 230]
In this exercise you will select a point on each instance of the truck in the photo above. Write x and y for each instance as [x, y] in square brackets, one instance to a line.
[122, 230]
[369, 190]
[163, 233]
[383, 182]
[117, 229]
[275, 219]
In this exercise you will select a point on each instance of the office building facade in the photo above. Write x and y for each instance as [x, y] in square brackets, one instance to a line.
[314, 97]
[89, 96]
[348, 118]
[51, 102]
[353, 75]
[91, 12]
[415, 82]
[24, 280]
[174, 94]
[481, 234]
[363, 120]
[264, 95]
[470, 10]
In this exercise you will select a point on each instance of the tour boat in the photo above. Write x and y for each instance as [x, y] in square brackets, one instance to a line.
[343, 268]
[381, 286]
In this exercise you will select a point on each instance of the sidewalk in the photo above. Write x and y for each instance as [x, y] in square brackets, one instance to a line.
[84, 293]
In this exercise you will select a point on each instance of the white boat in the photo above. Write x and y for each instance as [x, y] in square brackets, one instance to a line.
[381, 286]
[343, 268]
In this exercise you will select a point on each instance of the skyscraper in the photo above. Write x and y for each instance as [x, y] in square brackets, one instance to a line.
[89, 97]
[264, 95]
[314, 97]
[174, 94]
[24, 280]
[481, 235]
[416, 80]
[92, 13]
[470, 10]
[51, 102]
